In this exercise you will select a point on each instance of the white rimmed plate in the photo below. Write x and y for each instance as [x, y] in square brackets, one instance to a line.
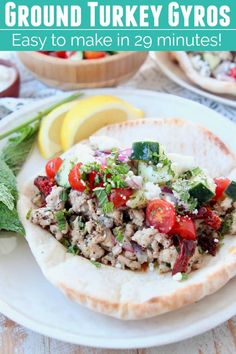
[27, 298]
[175, 73]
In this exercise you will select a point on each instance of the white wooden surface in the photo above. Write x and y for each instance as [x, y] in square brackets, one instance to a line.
[15, 339]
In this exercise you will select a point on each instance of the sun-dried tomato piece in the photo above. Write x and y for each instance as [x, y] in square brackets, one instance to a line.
[187, 249]
[44, 185]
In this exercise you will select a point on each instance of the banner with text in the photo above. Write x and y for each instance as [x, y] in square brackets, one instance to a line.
[120, 25]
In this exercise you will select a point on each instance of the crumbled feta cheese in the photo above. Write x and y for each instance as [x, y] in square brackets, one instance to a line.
[151, 267]
[226, 204]
[104, 143]
[118, 265]
[177, 276]
[181, 163]
[151, 191]
[200, 65]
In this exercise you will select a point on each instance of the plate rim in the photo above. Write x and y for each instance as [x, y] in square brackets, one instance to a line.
[114, 343]
[102, 342]
[190, 86]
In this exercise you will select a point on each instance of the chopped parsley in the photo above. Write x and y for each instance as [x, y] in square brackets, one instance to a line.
[108, 208]
[64, 196]
[96, 264]
[118, 234]
[184, 276]
[28, 214]
[73, 249]
[81, 224]
[103, 201]
[226, 225]
[101, 195]
[61, 220]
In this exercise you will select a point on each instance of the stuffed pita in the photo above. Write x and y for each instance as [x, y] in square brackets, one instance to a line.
[134, 228]
[213, 71]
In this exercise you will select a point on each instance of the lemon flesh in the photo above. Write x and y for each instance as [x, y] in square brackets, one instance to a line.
[49, 141]
[93, 113]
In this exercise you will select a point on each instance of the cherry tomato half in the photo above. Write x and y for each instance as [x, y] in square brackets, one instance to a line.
[94, 55]
[210, 218]
[161, 214]
[222, 184]
[75, 180]
[185, 228]
[120, 196]
[52, 167]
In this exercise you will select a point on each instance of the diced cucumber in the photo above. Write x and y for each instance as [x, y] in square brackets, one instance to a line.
[201, 192]
[231, 191]
[146, 151]
[63, 173]
[137, 200]
[212, 59]
[154, 174]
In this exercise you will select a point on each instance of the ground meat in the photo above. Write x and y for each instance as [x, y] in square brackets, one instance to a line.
[76, 233]
[125, 262]
[38, 200]
[109, 241]
[106, 221]
[53, 200]
[92, 209]
[54, 229]
[195, 262]
[144, 237]
[90, 226]
[116, 250]
[91, 250]
[109, 259]
[129, 231]
[163, 240]
[130, 255]
[137, 217]
[79, 202]
[156, 247]
[168, 255]
[164, 268]
[117, 217]
[42, 217]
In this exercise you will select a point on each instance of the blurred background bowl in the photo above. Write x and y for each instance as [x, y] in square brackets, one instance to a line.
[13, 89]
[68, 75]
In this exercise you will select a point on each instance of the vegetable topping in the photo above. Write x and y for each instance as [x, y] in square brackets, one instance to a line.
[135, 209]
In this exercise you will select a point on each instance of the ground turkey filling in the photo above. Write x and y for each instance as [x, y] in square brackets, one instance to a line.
[218, 65]
[118, 233]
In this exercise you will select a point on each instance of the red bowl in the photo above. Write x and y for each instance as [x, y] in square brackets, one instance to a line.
[14, 88]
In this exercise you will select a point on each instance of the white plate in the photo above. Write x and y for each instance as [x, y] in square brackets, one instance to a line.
[176, 74]
[27, 298]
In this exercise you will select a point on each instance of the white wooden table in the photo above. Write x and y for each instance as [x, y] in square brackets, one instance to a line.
[15, 339]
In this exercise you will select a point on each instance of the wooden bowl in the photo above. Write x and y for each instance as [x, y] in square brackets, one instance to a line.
[68, 75]
[13, 89]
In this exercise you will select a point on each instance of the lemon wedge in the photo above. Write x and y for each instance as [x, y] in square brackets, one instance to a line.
[49, 142]
[93, 113]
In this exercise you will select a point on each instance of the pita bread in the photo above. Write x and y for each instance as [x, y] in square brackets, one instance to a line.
[207, 83]
[125, 294]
